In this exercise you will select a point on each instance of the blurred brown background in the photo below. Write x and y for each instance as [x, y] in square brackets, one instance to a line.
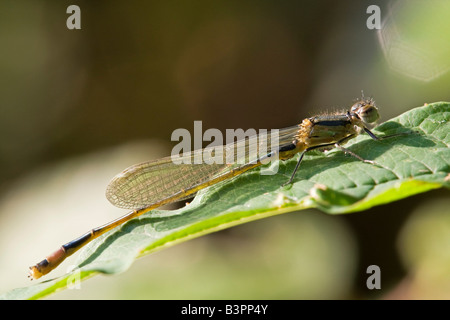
[78, 106]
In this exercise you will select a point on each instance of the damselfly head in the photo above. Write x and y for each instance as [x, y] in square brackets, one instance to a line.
[366, 110]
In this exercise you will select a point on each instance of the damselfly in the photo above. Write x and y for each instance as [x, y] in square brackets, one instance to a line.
[146, 186]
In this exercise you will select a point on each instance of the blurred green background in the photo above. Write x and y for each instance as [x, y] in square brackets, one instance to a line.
[79, 106]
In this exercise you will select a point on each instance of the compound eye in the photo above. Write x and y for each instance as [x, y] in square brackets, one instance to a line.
[368, 113]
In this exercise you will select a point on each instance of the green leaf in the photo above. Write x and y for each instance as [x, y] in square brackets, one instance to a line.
[332, 182]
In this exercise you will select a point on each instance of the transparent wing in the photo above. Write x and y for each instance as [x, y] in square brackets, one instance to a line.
[180, 177]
